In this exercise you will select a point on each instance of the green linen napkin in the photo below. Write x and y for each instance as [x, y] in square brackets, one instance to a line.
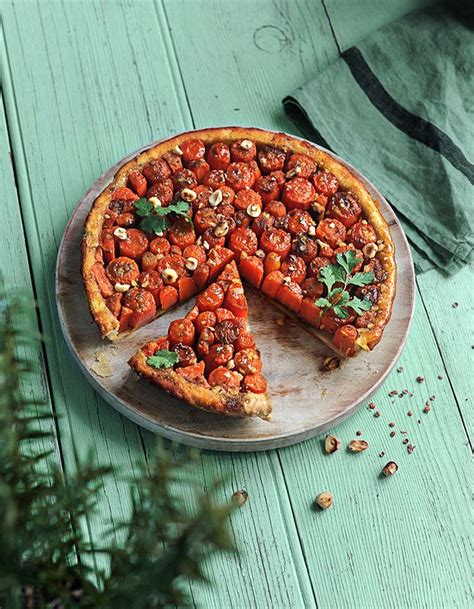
[400, 108]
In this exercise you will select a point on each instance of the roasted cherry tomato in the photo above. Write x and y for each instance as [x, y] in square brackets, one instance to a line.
[123, 270]
[361, 234]
[271, 159]
[162, 190]
[255, 383]
[245, 153]
[228, 331]
[218, 156]
[316, 265]
[171, 262]
[200, 168]
[204, 219]
[219, 355]
[186, 354]
[312, 288]
[138, 183]
[214, 178]
[211, 298]
[142, 304]
[299, 221]
[244, 341]
[325, 183]
[298, 193]
[235, 301]
[156, 170]
[276, 240]
[174, 161]
[240, 176]
[193, 150]
[181, 331]
[303, 165]
[135, 245]
[294, 267]
[268, 188]
[123, 194]
[247, 197]
[184, 178]
[276, 209]
[160, 245]
[345, 207]
[247, 361]
[243, 240]
[272, 263]
[331, 231]
[344, 340]
[224, 378]
[181, 233]
[195, 251]
[305, 247]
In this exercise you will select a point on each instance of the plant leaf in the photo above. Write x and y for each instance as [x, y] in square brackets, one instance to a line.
[143, 207]
[163, 359]
[340, 312]
[154, 224]
[323, 302]
[361, 279]
[359, 305]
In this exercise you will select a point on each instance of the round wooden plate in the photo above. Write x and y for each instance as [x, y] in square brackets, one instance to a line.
[306, 401]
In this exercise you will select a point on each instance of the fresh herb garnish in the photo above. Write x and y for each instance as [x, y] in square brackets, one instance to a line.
[339, 298]
[163, 359]
[154, 219]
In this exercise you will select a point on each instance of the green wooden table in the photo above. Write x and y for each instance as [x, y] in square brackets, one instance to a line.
[84, 83]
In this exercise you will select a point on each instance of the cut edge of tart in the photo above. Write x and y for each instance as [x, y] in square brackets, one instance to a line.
[214, 378]
[93, 268]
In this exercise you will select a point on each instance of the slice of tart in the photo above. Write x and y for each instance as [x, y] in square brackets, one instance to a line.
[209, 358]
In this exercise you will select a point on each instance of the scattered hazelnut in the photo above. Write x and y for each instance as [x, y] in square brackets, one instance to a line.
[215, 198]
[191, 263]
[324, 500]
[293, 172]
[331, 363]
[331, 444]
[169, 275]
[253, 210]
[390, 469]
[260, 254]
[155, 202]
[370, 250]
[240, 497]
[188, 195]
[177, 150]
[120, 233]
[357, 446]
[121, 287]
[221, 229]
[246, 144]
[312, 230]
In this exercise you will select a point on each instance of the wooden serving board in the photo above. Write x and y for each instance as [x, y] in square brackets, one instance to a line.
[306, 400]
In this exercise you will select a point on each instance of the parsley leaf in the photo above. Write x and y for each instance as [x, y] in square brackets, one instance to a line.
[339, 298]
[163, 359]
[143, 207]
[154, 218]
[154, 224]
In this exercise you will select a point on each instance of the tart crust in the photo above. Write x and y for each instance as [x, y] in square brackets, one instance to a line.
[212, 399]
[109, 325]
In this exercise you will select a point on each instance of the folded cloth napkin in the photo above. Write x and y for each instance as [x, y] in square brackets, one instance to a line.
[400, 108]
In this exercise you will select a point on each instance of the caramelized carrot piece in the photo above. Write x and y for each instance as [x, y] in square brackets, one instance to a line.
[271, 283]
[251, 269]
[105, 287]
[168, 296]
[186, 288]
[310, 312]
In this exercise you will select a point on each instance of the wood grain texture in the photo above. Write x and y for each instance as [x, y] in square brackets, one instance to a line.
[377, 541]
[406, 547]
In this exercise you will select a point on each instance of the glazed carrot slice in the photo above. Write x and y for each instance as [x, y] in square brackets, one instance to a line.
[251, 269]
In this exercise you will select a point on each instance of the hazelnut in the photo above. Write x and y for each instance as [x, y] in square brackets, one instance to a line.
[293, 172]
[246, 144]
[188, 195]
[390, 469]
[155, 202]
[177, 150]
[331, 363]
[231, 364]
[370, 250]
[169, 275]
[239, 498]
[331, 444]
[121, 287]
[120, 233]
[215, 198]
[260, 254]
[324, 500]
[357, 446]
[253, 210]
[312, 231]
[191, 263]
[221, 229]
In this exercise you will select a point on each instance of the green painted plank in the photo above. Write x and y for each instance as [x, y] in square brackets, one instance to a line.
[65, 137]
[15, 279]
[394, 543]
[451, 316]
